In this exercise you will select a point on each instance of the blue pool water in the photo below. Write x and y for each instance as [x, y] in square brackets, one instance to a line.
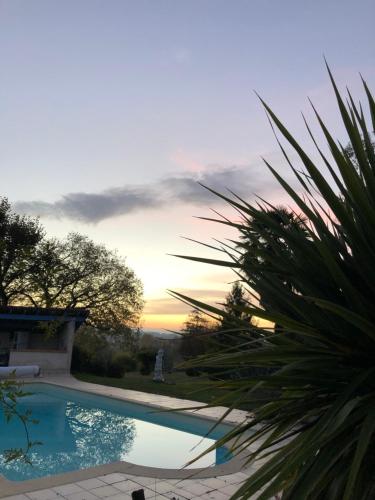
[80, 430]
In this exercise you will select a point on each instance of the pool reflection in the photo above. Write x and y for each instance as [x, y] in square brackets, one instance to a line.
[79, 431]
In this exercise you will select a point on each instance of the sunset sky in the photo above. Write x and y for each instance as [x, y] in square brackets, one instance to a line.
[112, 110]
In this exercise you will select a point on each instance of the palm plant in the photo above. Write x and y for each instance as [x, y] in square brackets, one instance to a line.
[316, 439]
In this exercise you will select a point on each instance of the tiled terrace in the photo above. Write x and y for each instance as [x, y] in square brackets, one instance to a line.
[118, 486]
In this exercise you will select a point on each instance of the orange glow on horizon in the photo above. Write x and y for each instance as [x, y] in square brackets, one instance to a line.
[175, 321]
[161, 321]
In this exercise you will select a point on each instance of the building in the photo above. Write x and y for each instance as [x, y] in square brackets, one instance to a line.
[39, 336]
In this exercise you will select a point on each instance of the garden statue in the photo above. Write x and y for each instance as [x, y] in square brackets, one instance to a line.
[158, 372]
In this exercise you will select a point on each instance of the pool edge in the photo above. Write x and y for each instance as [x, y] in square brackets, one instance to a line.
[234, 465]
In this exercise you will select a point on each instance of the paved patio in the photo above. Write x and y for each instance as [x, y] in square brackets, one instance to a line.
[118, 485]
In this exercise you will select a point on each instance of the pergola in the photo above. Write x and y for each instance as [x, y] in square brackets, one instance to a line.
[25, 340]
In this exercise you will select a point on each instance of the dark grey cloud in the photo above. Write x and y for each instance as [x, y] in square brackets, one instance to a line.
[244, 181]
[186, 188]
[94, 207]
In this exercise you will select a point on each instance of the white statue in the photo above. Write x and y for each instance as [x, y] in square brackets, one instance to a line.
[158, 371]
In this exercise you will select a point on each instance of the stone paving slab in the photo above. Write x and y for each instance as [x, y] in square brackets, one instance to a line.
[120, 486]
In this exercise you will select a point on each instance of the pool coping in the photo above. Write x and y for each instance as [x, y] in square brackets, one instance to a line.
[154, 401]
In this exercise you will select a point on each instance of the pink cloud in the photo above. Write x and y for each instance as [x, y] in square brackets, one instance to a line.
[186, 161]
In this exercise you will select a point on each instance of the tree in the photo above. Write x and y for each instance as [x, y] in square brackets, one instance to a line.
[235, 303]
[76, 272]
[265, 248]
[196, 323]
[195, 339]
[264, 244]
[19, 236]
[316, 439]
[234, 316]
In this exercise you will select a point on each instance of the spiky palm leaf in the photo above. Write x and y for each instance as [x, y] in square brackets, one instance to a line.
[318, 434]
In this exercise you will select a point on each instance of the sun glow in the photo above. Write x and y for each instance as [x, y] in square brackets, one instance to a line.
[164, 321]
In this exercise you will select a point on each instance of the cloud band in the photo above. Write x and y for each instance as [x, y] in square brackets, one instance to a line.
[95, 207]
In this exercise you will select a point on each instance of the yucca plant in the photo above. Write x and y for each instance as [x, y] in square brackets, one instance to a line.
[314, 403]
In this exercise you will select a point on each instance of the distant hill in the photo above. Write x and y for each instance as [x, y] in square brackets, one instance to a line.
[160, 334]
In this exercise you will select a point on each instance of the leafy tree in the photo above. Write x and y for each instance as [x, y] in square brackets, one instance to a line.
[317, 438]
[98, 353]
[234, 306]
[196, 323]
[234, 317]
[235, 302]
[195, 331]
[19, 236]
[91, 352]
[76, 272]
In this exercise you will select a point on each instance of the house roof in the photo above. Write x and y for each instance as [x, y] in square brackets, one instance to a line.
[31, 314]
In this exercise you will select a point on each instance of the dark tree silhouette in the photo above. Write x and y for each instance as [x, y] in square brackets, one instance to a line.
[76, 272]
[229, 331]
[19, 236]
[196, 331]
[265, 247]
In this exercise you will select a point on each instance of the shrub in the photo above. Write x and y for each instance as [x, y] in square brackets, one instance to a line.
[146, 360]
[84, 361]
[193, 372]
[91, 352]
[168, 360]
[120, 363]
[315, 280]
[131, 362]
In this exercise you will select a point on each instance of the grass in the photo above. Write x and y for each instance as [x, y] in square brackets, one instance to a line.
[177, 385]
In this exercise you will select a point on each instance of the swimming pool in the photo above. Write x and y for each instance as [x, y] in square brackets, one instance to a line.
[81, 430]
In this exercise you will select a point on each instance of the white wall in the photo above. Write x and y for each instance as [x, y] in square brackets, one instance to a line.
[48, 361]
